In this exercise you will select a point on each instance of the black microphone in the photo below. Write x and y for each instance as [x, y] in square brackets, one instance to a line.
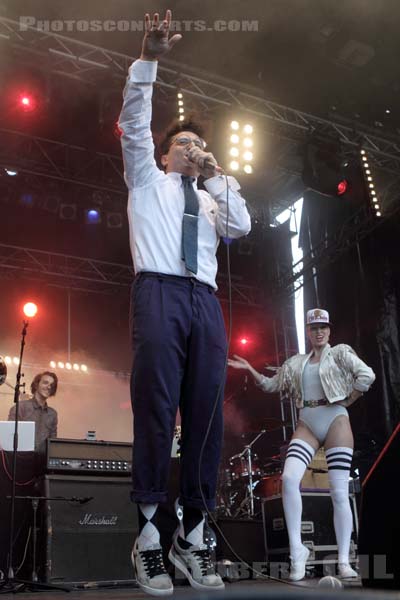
[208, 163]
[83, 500]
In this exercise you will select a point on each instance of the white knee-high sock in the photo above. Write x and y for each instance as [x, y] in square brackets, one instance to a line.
[339, 462]
[298, 457]
[148, 531]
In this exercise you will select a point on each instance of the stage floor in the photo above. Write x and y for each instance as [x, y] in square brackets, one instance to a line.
[243, 588]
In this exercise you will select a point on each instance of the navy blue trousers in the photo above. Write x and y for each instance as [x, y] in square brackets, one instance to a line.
[179, 345]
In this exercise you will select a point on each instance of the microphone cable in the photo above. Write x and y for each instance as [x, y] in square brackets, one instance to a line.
[258, 574]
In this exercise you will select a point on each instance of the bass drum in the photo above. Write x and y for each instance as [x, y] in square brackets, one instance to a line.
[240, 469]
[271, 485]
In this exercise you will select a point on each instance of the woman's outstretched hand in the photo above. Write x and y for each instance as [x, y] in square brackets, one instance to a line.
[239, 363]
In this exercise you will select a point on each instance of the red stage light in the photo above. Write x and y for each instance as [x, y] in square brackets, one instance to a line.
[26, 102]
[30, 309]
[244, 341]
[342, 187]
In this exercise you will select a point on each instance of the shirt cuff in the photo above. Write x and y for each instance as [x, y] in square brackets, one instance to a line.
[360, 387]
[143, 71]
[261, 383]
[217, 185]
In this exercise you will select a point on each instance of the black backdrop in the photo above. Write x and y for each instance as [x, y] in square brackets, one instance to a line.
[361, 291]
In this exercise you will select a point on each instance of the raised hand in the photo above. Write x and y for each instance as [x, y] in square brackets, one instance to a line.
[156, 41]
[239, 363]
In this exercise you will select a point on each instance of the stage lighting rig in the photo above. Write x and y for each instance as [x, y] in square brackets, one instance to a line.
[370, 184]
[241, 147]
[181, 108]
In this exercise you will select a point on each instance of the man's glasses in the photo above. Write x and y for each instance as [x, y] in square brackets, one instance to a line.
[185, 141]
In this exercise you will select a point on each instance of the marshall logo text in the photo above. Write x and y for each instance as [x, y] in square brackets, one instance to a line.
[90, 519]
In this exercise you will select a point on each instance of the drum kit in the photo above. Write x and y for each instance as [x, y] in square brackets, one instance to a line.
[245, 482]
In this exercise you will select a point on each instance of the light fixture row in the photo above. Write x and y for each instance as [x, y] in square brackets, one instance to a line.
[60, 364]
[241, 144]
[370, 184]
[181, 108]
[14, 360]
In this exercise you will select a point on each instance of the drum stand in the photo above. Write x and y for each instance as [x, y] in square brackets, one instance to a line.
[247, 456]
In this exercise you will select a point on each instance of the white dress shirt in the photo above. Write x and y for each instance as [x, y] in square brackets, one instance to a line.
[156, 199]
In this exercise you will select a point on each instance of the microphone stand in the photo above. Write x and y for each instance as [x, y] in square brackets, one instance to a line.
[16, 584]
[15, 448]
[246, 453]
[35, 500]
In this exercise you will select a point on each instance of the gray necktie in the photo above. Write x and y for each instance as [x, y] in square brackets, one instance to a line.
[190, 225]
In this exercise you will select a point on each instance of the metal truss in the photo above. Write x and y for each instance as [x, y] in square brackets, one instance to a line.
[355, 229]
[72, 58]
[64, 162]
[90, 275]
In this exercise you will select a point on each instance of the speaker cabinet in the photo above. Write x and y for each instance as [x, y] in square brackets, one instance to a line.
[89, 525]
[379, 519]
[245, 536]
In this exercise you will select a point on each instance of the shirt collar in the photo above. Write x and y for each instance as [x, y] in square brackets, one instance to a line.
[38, 406]
[178, 178]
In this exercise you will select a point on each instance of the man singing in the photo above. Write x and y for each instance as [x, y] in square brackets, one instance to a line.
[178, 332]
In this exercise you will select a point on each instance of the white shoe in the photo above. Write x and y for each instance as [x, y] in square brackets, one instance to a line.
[298, 564]
[195, 563]
[150, 571]
[345, 571]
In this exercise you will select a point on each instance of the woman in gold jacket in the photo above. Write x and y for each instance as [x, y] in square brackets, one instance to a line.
[322, 383]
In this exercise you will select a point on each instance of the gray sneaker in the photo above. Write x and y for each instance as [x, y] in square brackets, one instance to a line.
[150, 571]
[195, 563]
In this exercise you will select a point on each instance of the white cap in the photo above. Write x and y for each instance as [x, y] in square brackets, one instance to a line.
[318, 316]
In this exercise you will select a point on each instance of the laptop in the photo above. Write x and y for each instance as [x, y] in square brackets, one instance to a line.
[26, 435]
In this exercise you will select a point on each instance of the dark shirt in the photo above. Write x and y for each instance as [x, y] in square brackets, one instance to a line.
[44, 417]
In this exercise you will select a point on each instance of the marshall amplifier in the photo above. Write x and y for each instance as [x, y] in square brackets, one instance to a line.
[88, 526]
[88, 457]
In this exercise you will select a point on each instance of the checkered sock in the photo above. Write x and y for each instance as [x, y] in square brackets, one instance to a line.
[191, 528]
[148, 530]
